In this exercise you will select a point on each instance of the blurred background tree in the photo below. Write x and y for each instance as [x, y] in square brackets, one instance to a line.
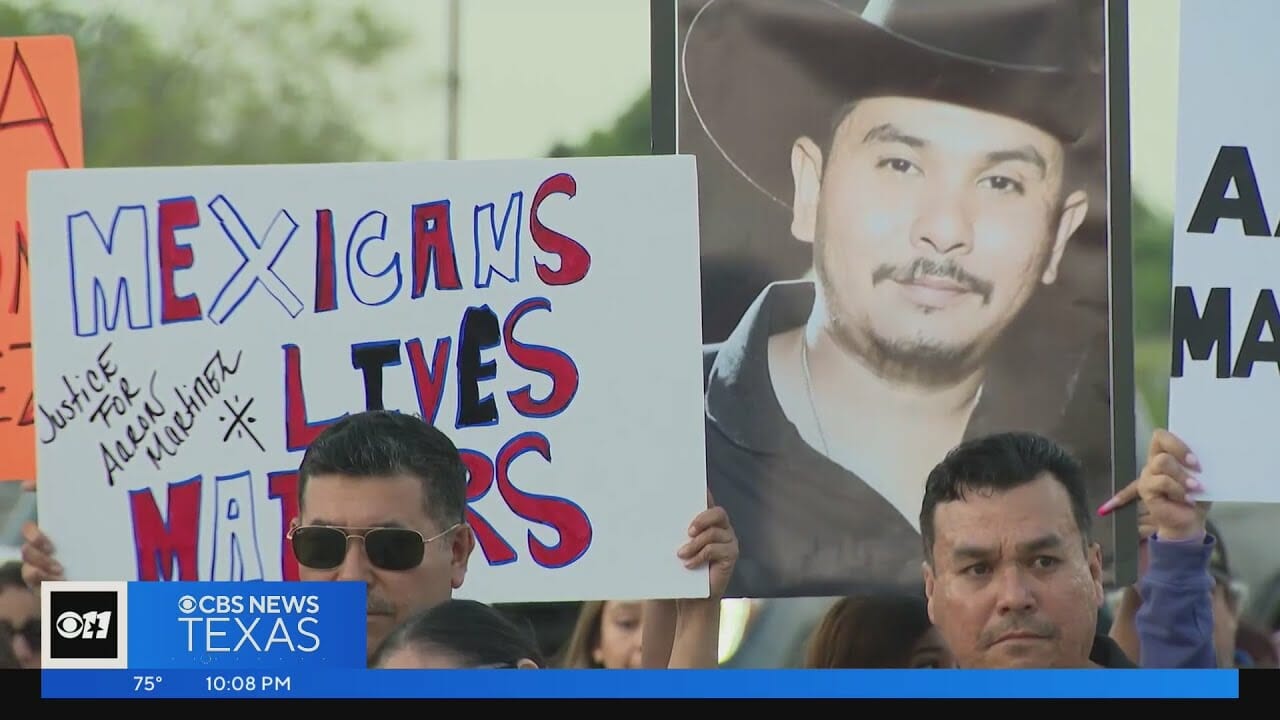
[233, 94]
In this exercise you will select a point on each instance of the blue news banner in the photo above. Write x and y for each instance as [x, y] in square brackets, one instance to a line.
[307, 640]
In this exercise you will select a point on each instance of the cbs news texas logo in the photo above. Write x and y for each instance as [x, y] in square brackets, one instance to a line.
[84, 625]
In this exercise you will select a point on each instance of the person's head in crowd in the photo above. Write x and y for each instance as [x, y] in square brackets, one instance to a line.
[1226, 602]
[19, 616]
[1254, 648]
[8, 658]
[882, 630]
[1012, 576]
[607, 635]
[382, 499]
[458, 634]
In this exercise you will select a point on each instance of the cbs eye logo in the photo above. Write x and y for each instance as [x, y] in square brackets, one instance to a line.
[85, 626]
[186, 604]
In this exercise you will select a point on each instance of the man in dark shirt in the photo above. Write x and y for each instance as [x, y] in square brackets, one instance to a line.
[946, 193]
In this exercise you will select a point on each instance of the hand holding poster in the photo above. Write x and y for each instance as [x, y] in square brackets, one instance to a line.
[39, 128]
[1224, 385]
[198, 327]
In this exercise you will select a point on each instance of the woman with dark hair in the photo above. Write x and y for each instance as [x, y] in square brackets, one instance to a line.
[877, 631]
[458, 634]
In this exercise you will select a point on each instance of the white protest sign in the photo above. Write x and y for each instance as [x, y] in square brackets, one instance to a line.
[1225, 381]
[197, 327]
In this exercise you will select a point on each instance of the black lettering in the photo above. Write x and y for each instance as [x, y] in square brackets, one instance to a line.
[1231, 166]
[479, 332]
[110, 463]
[370, 358]
[107, 367]
[108, 406]
[212, 378]
[1266, 317]
[1198, 333]
[223, 368]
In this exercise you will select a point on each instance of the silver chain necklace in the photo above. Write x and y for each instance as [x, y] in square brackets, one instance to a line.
[808, 388]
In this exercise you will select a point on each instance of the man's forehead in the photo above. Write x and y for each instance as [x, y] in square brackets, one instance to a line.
[1004, 520]
[364, 501]
[945, 124]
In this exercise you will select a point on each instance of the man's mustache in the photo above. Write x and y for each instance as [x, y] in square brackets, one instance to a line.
[375, 605]
[923, 267]
[1028, 625]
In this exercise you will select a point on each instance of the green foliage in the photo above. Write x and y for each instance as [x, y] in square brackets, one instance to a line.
[629, 135]
[1152, 291]
[239, 91]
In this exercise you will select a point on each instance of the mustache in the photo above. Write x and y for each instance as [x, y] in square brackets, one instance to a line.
[375, 605]
[1028, 625]
[924, 267]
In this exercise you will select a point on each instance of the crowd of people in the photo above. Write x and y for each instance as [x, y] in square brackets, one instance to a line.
[1012, 576]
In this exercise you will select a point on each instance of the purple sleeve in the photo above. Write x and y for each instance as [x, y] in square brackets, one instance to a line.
[1175, 621]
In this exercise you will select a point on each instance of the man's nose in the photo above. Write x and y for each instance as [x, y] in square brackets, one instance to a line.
[1015, 592]
[944, 225]
[355, 565]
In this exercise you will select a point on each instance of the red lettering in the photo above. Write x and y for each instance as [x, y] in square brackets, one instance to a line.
[298, 432]
[574, 259]
[479, 479]
[433, 245]
[176, 214]
[283, 486]
[21, 260]
[548, 361]
[563, 516]
[160, 542]
[326, 263]
[429, 382]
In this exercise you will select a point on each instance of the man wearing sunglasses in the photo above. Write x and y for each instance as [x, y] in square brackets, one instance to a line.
[382, 499]
[19, 615]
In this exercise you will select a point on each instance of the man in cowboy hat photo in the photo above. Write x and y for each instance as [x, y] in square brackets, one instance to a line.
[939, 158]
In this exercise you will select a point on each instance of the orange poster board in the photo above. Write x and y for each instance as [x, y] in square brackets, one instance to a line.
[39, 129]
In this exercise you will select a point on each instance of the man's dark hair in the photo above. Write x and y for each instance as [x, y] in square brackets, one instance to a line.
[476, 634]
[999, 463]
[11, 576]
[382, 444]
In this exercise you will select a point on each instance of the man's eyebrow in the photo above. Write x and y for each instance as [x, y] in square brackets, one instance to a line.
[888, 133]
[971, 552]
[1026, 154]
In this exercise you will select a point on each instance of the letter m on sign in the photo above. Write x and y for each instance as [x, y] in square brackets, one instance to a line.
[160, 542]
[109, 273]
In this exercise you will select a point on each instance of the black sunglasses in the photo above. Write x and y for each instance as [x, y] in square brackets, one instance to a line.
[30, 631]
[324, 547]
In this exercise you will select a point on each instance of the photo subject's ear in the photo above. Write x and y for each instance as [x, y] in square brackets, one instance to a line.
[1074, 211]
[806, 172]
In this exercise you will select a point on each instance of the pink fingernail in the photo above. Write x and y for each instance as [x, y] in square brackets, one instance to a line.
[1193, 461]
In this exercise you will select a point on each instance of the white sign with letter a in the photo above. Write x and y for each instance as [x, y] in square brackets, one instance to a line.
[1225, 380]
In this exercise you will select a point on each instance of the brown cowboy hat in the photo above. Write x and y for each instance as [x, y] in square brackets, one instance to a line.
[761, 73]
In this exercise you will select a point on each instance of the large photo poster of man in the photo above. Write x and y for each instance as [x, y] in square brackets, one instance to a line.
[908, 240]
